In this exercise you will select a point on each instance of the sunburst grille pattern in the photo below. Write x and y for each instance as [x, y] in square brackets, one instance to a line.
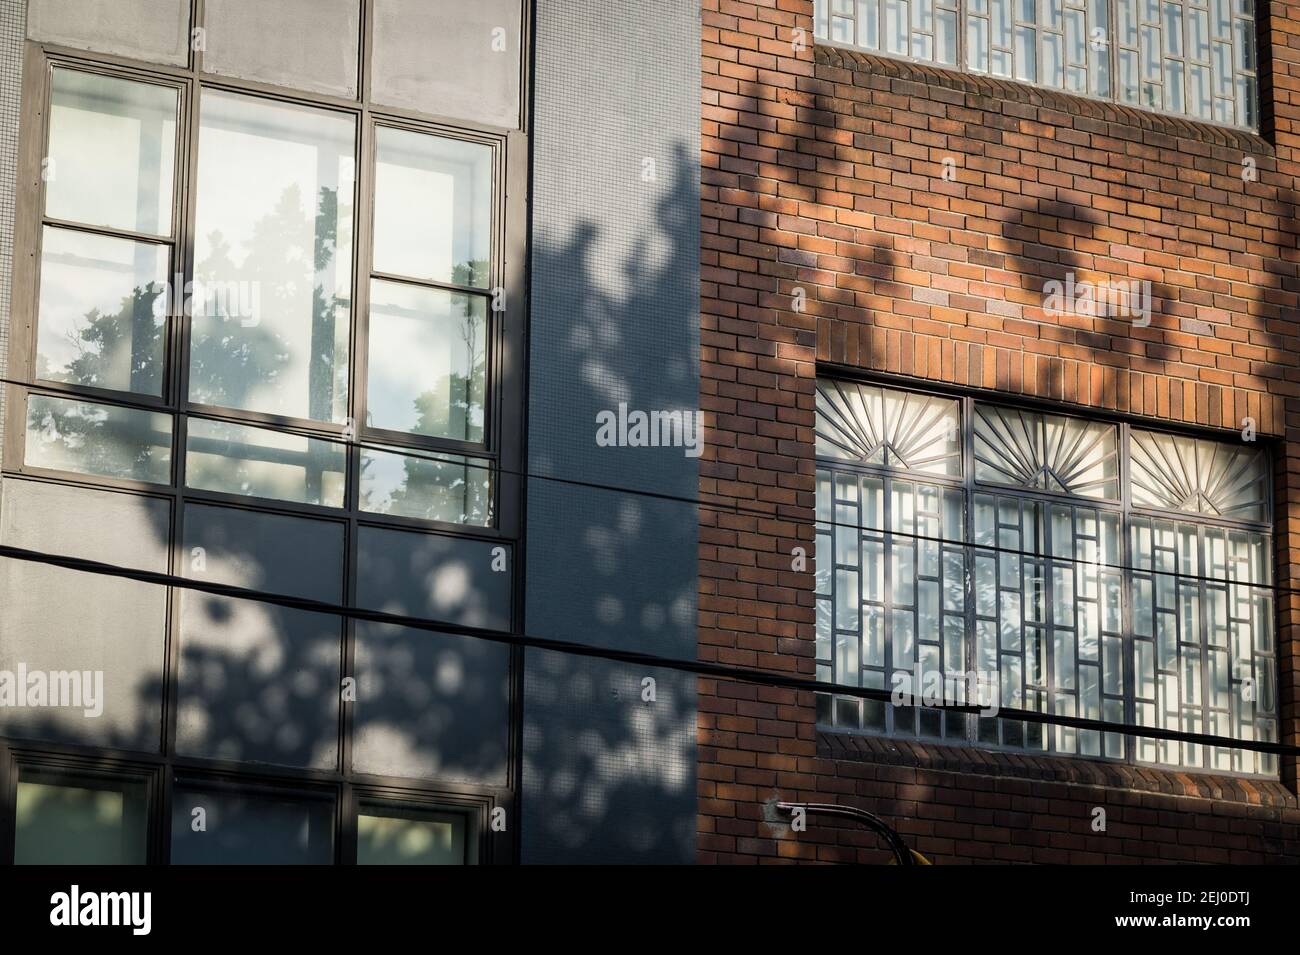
[1178, 473]
[1045, 452]
[865, 424]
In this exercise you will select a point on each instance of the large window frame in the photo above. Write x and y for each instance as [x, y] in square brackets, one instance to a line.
[1117, 50]
[989, 733]
[502, 444]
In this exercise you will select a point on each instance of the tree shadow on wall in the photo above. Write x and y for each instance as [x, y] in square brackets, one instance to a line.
[605, 765]
[609, 775]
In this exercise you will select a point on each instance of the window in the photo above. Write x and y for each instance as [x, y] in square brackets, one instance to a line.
[1189, 57]
[221, 826]
[890, 565]
[198, 320]
[263, 342]
[80, 820]
[272, 258]
[1087, 568]
[392, 835]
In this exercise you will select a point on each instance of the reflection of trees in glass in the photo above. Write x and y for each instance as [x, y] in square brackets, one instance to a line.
[471, 274]
[453, 407]
[434, 488]
[229, 357]
[97, 439]
[104, 440]
[134, 331]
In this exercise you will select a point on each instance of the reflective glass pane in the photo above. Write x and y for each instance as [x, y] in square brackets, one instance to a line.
[429, 485]
[1053, 60]
[273, 253]
[407, 837]
[103, 307]
[433, 207]
[108, 440]
[79, 821]
[1026, 54]
[250, 829]
[237, 459]
[427, 361]
[112, 152]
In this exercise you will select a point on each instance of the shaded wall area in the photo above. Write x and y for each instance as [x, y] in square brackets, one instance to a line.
[609, 776]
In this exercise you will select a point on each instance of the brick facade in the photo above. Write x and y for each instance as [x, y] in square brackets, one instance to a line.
[822, 170]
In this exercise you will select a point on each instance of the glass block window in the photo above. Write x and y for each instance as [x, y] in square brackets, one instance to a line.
[1089, 569]
[1189, 57]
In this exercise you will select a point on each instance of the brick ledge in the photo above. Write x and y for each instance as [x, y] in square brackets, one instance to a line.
[998, 89]
[862, 748]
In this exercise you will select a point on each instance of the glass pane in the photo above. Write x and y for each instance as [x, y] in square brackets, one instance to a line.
[237, 459]
[896, 17]
[1053, 60]
[1046, 452]
[868, 24]
[1180, 473]
[1198, 92]
[433, 207]
[273, 258]
[977, 44]
[103, 310]
[250, 829]
[1245, 45]
[1026, 54]
[71, 821]
[430, 486]
[945, 26]
[427, 361]
[1173, 24]
[112, 152]
[1247, 102]
[67, 435]
[1198, 35]
[1128, 77]
[403, 837]
[1174, 85]
[874, 425]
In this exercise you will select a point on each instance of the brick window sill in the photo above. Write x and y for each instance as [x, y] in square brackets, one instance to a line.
[854, 747]
[991, 94]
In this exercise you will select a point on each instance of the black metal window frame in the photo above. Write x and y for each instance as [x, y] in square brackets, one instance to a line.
[968, 728]
[503, 431]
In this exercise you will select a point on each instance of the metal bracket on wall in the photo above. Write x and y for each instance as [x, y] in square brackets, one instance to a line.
[902, 854]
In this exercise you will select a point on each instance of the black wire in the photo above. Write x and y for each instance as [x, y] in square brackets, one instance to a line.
[729, 508]
[699, 668]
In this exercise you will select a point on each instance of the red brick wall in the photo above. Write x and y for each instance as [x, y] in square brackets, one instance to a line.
[821, 170]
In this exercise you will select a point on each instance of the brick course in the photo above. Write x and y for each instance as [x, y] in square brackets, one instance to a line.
[822, 171]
